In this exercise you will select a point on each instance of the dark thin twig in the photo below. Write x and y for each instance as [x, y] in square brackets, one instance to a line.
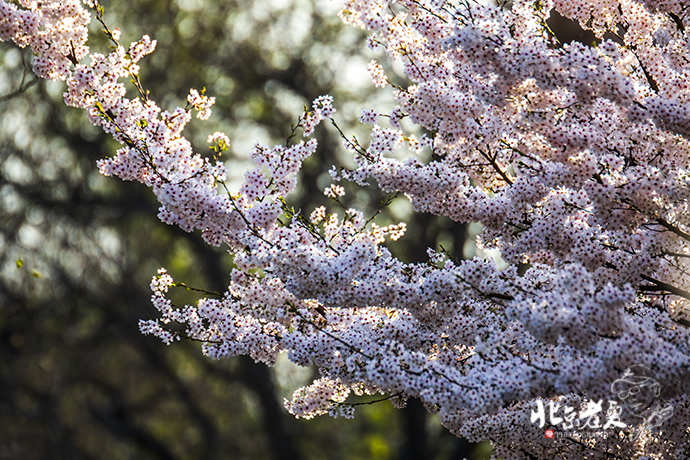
[366, 403]
[22, 88]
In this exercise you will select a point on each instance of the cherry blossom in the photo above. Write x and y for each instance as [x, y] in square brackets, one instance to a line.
[573, 158]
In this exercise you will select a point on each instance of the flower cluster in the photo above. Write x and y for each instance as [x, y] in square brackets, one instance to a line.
[201, 103]
[322, 108]
[56, 31]
[574, 158]
[368, 116]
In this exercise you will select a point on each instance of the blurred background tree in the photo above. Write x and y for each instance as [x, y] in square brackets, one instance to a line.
[77, 250]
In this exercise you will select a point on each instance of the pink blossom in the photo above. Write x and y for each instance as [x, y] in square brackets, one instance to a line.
[573, 158]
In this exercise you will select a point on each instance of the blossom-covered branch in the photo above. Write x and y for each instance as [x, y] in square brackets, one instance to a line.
[574, 158]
